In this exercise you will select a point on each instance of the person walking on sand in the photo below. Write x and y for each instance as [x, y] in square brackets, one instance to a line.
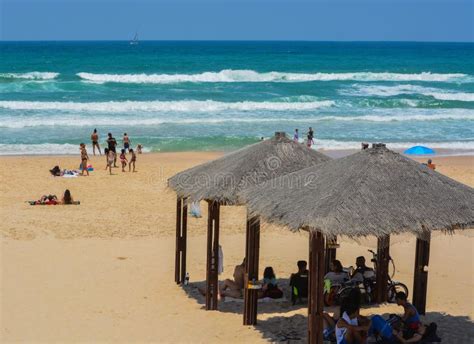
[112, 144]
[310, 137]
[126, 142]
[84, 158]
[110, 160]
[95, 142]
[123, 159]
[132, 161]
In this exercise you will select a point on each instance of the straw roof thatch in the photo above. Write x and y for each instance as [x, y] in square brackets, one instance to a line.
[373, 192]
[220, 180]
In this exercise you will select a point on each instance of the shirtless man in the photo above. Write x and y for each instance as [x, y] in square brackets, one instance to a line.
[95, 142]
[126, 142]
[233, 288]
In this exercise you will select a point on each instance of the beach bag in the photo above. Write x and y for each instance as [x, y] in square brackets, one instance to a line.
[430, 335]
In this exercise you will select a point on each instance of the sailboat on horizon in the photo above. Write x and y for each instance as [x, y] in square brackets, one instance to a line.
[134, 41]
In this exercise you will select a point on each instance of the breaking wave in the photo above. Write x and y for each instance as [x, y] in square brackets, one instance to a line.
[30, 76]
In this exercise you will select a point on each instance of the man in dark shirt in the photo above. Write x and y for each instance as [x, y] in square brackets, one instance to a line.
[112, 144]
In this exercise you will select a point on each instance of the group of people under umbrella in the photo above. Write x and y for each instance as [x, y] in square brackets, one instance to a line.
[375, 192]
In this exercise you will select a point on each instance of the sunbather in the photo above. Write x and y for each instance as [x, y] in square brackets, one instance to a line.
[233, 288]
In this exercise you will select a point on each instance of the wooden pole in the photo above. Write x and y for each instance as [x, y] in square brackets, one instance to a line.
[420, 282]
[330, 254]
[252, 248]
[212, 287]
[181, 235]
[316, 288]
[383, 257]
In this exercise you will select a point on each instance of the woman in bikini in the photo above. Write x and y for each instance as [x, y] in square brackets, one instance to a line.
[123, 159]
[95, 142]
[84, 158]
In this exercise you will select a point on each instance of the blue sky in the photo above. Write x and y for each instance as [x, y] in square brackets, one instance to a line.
[338, 20]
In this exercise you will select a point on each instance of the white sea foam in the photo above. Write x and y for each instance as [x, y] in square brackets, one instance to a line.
[155, 119]
[30, 75]
[164, 106]
[229, 75]
[455, 147]
[390, 91]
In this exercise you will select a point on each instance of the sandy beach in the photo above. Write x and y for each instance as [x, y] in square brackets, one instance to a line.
[102, 271]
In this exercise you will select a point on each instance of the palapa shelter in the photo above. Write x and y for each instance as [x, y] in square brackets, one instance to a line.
[375, 192]
[218, 182]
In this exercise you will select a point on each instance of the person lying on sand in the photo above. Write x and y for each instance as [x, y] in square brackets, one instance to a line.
[233, 288]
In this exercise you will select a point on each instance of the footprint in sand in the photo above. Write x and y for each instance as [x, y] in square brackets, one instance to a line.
[122, 258]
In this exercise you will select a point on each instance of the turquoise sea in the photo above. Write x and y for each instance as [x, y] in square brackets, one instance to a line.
[175, 96]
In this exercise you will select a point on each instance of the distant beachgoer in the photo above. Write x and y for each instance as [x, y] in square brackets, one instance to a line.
[123, 159]
[133, 159]
[112, 144]
[110, 160]
[139, 149]
[233, 288]
[67, 198]
[364, 145]
[310, 137]
[126, 142]
[296, 136]
[431, 165]
[84, 158]
[95, 142]
[270, 285]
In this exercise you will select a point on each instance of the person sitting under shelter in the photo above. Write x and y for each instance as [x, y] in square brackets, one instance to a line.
[337, 275]
[233, 288]
[351, 326]
[361, 271]
[299, 282]
[270, 285]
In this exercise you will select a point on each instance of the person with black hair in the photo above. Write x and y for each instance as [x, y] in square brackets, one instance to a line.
[270, 285]
[351, 326]
[299, 282]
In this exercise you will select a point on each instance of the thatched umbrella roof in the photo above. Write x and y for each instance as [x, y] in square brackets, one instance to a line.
[221, 180]
[373, 192]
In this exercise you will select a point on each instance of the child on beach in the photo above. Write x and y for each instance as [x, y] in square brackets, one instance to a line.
[84, 158]
[296, 136]
[139, 149]
[123, 160]
[132, 160]
[110, 160]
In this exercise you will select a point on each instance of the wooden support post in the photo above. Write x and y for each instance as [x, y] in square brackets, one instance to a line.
[383, 257]
[316, 288]
[252, 247]
[212, 286]
[330, 254]
[420, 282]
[181, 234]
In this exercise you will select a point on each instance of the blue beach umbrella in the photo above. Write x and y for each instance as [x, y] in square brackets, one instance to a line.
[419, 150]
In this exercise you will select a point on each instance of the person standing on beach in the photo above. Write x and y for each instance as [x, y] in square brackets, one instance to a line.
[133, 159]
[126, 142]
[296, 136]
[95, 142]
[112, 144]
[84, 158]
[310, 137]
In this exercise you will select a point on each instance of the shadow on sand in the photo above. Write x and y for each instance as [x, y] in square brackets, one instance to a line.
[272, 306]
[293, 327]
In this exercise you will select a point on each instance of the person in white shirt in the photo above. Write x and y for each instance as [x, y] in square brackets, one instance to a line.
[352, 328]
[337, 275]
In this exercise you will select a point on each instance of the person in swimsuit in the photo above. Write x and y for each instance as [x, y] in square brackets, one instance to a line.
[139, 149]
[123, 160]
[296, 136]
[112, 144]
[84, 158]
[67, 198]
[310, 137]
[126, 142]
[95, 142]
[233, 288]
[110, 160]
[132, 160]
